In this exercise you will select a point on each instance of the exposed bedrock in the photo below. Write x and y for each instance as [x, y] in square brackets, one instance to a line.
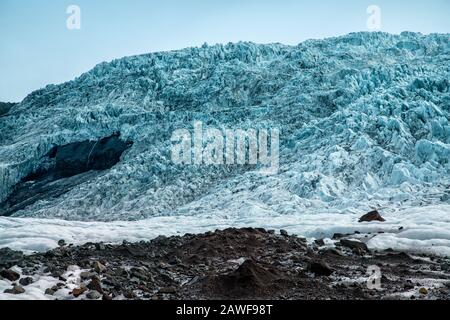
[76, 158]
[5, 107]
[63, 168]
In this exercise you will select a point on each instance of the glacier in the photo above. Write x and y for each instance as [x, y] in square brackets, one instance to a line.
[363, 121]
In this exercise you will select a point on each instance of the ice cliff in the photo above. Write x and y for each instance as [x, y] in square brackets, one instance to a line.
[363, 120]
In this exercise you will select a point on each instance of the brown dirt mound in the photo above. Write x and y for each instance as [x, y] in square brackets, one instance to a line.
[251, 278]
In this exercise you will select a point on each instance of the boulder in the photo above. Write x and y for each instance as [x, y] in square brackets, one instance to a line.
[354, 245]
[15, 290]
[423, 291]
[26, 281]
[319, 242]
[50, 291]
[86, 275]
[372, 216]
[62, 243]
[10, 275]
[94, 295]
[9, 258]
[98, 267]
[320, 268]
[168, 290]
[95, 284]
[78, 291]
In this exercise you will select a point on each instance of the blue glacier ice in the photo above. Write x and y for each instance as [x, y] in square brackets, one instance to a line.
[364, 121]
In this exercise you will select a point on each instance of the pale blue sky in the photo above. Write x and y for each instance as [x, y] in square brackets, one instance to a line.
[37, 49]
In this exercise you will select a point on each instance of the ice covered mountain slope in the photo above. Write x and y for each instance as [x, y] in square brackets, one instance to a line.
[364, 122]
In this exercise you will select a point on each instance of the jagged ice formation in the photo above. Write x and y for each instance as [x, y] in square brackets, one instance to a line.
[364, 122]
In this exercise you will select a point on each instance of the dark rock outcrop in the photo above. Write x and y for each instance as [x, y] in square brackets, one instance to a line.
[372, 216]
[9, 258]
[357, 246]
[95, 284]
[5, 107]
[94, 295]
[10, 275]
[26, 281]
[320, 268]
[15, 290]
[63, 168]
[250, 276]
[79, 157]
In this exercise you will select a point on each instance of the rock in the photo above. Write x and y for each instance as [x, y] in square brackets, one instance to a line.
[320, 268]
[10, 275]
[56, 273]
[356, 246]
[78, 291]
[79, 157]
[72, 165]
[423, 291]
[129, 294]
[408, 286]
[86, 275]
[100, 246]
[140, 273]
[250, 276]
[99, 268]
[9, 258]
[167, 290]
[144, 288]
[62, 243]
[319, 242]
[26, 281]
[338, 236]
[332, 252]
[372, 216]
[73, 268]
[5, 107]
[284, 233]
[15, 290]
[107, 297]
[94, 295]
[95, 285]
[50, 291]
[175, 261]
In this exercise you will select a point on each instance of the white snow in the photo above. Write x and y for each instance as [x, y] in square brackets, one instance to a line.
[36, 290]
[425, 229]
